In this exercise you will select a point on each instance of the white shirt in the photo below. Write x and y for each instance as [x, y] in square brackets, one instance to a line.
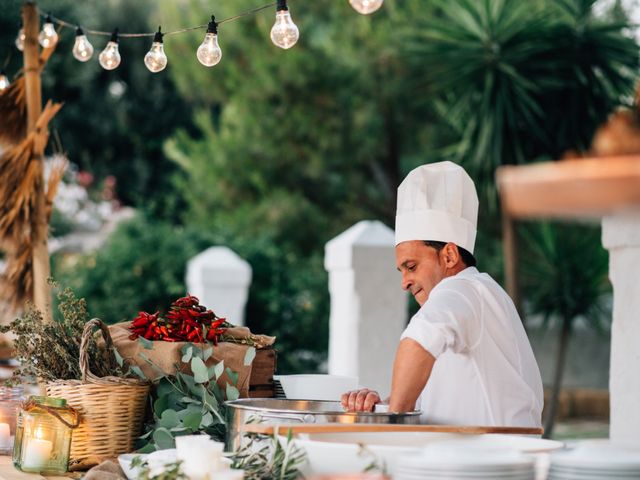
[485, 372]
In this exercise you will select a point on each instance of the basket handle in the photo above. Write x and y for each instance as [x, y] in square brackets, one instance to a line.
[87, 335]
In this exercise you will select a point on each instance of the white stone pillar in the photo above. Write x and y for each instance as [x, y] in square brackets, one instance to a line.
[621, 236]
[221, 280]
[368, 306]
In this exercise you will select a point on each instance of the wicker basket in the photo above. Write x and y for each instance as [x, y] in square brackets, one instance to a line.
[111, 408]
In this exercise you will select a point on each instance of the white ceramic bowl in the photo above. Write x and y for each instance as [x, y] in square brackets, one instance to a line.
[316, 386]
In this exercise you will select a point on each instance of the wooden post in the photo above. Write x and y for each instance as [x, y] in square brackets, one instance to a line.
[41, 269]
[510, 251]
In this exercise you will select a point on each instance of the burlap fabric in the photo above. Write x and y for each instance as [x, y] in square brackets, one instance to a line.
[166, 355]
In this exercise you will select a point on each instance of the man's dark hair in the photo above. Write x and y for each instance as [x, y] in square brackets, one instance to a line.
[468, 258]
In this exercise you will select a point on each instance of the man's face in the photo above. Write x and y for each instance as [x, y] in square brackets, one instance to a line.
[421, 268]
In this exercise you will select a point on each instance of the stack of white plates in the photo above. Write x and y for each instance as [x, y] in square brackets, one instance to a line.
[466, 461]
[596, 459]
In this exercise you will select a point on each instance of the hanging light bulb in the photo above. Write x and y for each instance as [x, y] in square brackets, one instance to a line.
[109, 58]
[48, 36]
[82, 49]
[155, 59]
[284, 32]
[4, 81]
[209, 52]
[20, 38]
[365, 7]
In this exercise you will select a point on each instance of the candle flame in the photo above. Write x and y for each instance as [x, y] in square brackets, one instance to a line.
[38, 433]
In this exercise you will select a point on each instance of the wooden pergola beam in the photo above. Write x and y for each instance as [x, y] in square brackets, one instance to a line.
[41, 267]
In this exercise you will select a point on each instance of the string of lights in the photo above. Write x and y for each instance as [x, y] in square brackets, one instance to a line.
[284, 34]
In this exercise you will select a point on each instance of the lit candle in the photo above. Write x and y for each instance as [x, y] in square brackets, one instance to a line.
[5, 435]
[37, 452]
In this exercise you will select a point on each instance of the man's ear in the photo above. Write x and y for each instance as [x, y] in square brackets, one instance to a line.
[451, 255]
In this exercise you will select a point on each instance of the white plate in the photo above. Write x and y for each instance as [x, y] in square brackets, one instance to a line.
[338, 453]
[417, 440]
[600, 455]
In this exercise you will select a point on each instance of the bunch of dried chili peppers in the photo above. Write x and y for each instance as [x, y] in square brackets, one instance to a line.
[187, 321]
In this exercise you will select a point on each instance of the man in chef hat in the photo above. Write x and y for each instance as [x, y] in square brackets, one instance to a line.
[464, 358]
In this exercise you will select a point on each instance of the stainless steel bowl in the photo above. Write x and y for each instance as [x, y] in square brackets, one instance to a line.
[276, 410]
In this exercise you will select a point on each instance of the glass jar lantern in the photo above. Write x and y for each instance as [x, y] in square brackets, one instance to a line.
[43, 435]
[10, 401]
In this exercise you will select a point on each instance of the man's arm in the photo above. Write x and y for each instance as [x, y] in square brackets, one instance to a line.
[411, 370]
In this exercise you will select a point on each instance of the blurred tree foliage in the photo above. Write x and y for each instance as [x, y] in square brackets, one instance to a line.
[296, 146]
[112, 122]
[275, 152]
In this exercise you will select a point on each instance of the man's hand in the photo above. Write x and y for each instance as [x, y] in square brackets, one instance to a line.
[363, 400]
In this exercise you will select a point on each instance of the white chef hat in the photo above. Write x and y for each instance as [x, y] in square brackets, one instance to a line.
[438, 202]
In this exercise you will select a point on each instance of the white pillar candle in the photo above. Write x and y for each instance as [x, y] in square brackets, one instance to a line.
[37, 453]
[5, 435]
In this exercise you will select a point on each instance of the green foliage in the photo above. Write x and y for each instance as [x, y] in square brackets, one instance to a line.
[292, 148]
[51, 350]
[519, 81]
[141, 268]
[565, 272]
[260, 459]
[187, 404]
[271, 460]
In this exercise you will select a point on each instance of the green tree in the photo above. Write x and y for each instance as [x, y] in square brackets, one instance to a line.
[292, 147]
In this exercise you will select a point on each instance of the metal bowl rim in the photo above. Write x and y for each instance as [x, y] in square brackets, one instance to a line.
[240, 404]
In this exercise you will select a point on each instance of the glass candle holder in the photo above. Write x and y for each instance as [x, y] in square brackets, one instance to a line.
[43, 435]
[10, 401]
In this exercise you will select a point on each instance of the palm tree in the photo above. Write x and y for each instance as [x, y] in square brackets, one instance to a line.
[564, 277]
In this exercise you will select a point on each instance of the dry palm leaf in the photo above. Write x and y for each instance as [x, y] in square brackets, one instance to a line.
[21, 173]
[58, 167]
[13, 107]
[13, 111]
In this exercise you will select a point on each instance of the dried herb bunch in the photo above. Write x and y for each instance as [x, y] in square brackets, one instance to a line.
[51, 350]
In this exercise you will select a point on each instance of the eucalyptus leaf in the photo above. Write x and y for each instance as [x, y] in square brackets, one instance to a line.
[118, 357]
[192, 421]
[207, 420]
[206, 354]
[163, 439]
[249, 356]
[187, 355]
[189, 400]
[148, 448]
[217, 392]
[232, 392]
[200, 373]
[164, 387]
[219, 369]
[138, 371]
[210, 401]
[187, 380]
[160, 405]
[233, 376]
[146, 344]
[169, 419]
